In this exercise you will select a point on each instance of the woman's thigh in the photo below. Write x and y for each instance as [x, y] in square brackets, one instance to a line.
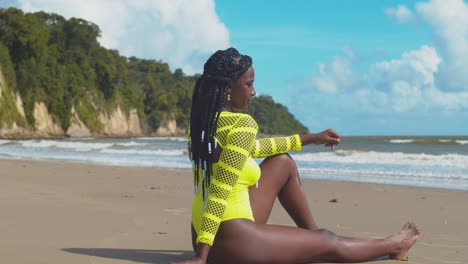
[276, 172]
[242, 241]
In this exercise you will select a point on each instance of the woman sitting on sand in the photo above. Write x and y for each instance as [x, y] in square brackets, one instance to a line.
[234, 196]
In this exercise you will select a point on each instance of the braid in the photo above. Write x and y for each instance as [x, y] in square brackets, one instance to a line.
[208, 99]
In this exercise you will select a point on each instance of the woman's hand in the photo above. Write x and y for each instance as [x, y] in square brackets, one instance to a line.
[327, 137]
[201, 253]
[195, 260]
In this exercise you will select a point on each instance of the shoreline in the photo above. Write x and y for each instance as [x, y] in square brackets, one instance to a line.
[61, 212]
[90, 163]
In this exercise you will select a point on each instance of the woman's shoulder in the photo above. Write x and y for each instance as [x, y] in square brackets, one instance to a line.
[240, 119]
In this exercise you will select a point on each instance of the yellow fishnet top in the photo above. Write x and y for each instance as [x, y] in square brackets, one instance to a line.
[234, 172]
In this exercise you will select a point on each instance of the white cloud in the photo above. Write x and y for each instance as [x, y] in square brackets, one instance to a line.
[404, 96]
[401, 85]
[181, 32]
[449, 20]
[406, 81]
[401, 13]
[450, 101]
[416, 67]
[431, 78]
[335, 75]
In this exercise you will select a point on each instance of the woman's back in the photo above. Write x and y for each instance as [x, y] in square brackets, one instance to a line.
[233, 172]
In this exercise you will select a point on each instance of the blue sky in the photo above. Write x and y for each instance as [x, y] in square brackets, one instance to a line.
[361, 67]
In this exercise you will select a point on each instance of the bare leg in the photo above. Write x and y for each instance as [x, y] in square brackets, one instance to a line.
[280, 179]
[242, 241]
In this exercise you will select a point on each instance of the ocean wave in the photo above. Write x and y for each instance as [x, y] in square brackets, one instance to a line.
[408, 178]
[130, 144]
[4, 141]
[79, 146]
[401, 141]
[125, 161]
[391, 158]
[179, 139]
[445, 140]
[394, 174]
[175, 152]
[428, 141]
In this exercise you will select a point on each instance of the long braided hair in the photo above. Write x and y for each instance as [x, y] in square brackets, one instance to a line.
[209, 97]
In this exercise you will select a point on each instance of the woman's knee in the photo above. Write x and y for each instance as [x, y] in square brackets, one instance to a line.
[330, 245]
[326, 234]
[284, 159]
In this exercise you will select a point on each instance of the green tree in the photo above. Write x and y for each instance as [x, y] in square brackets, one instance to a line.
[6, 66]
[274, 118]
[59, 61]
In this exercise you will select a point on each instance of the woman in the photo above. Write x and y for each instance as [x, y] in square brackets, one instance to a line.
[232, 202]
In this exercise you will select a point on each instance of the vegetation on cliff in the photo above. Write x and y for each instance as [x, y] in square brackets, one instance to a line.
[47, 58]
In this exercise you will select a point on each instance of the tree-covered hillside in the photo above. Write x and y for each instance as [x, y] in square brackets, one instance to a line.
[47, 58]
[274, 118]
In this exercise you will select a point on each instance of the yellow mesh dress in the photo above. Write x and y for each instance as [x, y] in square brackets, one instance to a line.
[234, 172]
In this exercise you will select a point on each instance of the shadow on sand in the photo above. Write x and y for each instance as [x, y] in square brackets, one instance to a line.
[144, 255]
[136, 255]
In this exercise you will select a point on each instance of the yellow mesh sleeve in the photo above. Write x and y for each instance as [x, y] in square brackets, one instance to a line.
[266, 147]
[239, 144]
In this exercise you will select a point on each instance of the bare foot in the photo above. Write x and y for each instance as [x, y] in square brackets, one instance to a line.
[407, 236]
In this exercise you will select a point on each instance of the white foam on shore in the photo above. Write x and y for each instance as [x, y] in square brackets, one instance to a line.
[77, 145]
[401, 141]
[179, 139]
[65, 144]
[407, 178]
[390, 158]
[393, 174]
[131, 144]
[428, 141]
[175, 152]
[124, 161]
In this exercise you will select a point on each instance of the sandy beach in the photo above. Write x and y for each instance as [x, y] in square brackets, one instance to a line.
[79, 213]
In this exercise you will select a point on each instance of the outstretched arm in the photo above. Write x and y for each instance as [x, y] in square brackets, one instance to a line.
[266, 147]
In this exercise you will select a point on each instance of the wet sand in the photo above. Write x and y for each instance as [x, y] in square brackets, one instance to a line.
[79, 213]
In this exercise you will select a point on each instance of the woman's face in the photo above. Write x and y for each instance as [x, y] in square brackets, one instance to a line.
[242, 91]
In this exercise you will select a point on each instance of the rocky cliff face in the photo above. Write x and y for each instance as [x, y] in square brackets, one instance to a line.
[45, 126]
[8, 128]
[77, 128]
[116, 123]
[19, 104]
[169, 129]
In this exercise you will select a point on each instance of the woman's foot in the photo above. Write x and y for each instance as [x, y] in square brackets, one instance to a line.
[407, 237]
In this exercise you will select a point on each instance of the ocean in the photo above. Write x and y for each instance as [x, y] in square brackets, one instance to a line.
[429, 161]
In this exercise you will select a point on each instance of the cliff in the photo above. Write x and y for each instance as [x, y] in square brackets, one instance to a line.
[11, 115]
[115, 123]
